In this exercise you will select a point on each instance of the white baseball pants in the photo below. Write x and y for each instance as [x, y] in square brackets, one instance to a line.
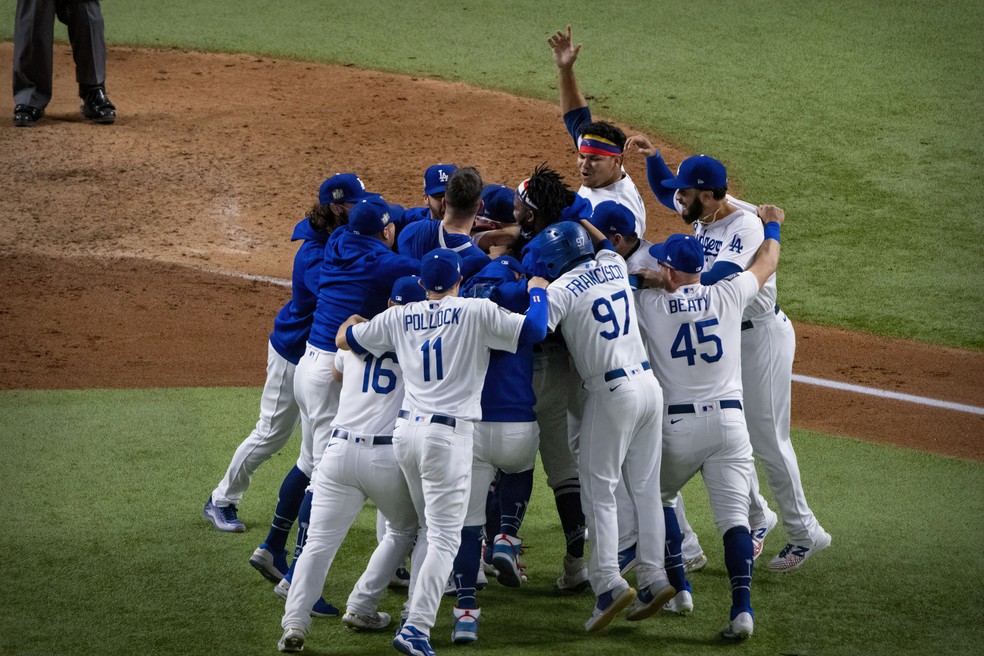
[279, 416]
[509, 446]
[317, 393]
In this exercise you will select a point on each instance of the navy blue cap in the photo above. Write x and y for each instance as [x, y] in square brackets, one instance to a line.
[511, 263]
[613, 218]
[681, 252]
[699, 171]
[436, 178]
[499, 201]
[440, 270]
[342, 188]
[577, 210]
[369, 216]
[407, 290]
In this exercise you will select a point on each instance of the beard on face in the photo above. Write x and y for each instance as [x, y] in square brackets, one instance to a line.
[694, 211]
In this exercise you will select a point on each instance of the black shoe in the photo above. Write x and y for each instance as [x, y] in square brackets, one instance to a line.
[97, 108]
[25, 116]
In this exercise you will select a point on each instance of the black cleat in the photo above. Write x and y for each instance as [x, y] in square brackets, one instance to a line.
[25, 116]
[97, 107]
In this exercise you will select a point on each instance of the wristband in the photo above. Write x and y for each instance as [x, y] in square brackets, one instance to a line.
[772, 230]
[538, 293]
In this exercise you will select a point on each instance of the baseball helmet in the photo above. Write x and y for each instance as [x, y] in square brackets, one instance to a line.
[560, 246]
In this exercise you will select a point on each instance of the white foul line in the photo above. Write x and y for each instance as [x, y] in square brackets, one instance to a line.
[860, 389]
[809, 380]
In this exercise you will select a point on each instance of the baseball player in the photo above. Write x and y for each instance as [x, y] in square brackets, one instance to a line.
[358, 463]
[506, 438]
[591, 302]
[496, 224]
[435, 183]
[599, 144]
[279, 414]
[462, 203]
[730, 234]
[692, 333]
[443, 348]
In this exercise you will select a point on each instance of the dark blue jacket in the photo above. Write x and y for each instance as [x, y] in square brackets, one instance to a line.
[293, 323]
[419, 238]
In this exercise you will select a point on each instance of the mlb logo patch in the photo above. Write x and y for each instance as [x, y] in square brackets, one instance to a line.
[707, 407]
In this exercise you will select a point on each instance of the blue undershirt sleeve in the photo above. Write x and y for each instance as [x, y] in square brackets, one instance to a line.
[535, 324]
[718, 272]
[656, 172]
[575, 120]
[604, 245]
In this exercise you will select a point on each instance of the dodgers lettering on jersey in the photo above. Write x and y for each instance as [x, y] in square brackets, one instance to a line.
[443, 349]
[592, 304]
[371, 394]
[693, 337]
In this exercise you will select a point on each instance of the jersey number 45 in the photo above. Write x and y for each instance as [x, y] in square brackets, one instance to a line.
[683, 345]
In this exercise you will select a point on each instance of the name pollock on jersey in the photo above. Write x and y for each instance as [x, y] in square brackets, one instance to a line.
[594, 277]
[422, 321]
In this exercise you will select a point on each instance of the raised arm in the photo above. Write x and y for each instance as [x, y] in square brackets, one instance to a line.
[565, 54]
[656, 168]
[767, 257]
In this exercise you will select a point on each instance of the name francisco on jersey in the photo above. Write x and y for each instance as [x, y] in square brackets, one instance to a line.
[593, 277]
[427, 320]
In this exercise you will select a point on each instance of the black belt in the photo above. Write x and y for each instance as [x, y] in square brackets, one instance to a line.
[689, 409]
[356, 439]
[621, 373]
[435, 419]
[747, 324]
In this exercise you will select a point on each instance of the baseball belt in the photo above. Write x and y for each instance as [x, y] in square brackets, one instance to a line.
[359, 439]
[622, 373]
[434, 419]
[748, 325]
[690, 409]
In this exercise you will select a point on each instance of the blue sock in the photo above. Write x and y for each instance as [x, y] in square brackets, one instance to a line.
[514, 497]
[303, 520]
[567, 496]
[466, 565]
[674, 552]
[492, 515]
[738, 559]
[288, 503]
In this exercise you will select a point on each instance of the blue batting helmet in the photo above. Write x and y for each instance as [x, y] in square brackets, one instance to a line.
[560, 246]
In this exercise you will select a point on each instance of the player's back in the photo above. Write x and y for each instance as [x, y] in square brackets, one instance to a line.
[693, 337]
[593, 305]
[372, 392]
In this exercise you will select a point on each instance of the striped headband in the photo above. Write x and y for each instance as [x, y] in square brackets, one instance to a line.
[523, 191]
[592, 144]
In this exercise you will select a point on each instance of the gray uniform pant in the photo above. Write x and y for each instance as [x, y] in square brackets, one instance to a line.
[34, 35]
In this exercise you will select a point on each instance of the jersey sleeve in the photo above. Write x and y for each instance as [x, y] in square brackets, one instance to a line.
[656, 172]
[375, 335]
[575, 120]
[558, 305]
[406, 243]
[741, 240]
[739, 290]
[500, 327]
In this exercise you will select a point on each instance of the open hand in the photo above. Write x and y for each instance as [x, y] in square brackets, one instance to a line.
[564, 52]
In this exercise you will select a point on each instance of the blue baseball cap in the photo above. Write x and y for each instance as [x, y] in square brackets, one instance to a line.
[436, 178]
[407, 290]
[681, 252]
[499, 201]
[613, 218]
[511, 263]
[699, 171]
[440, 270]
[369, 216]
[342, 188]
[579, 209]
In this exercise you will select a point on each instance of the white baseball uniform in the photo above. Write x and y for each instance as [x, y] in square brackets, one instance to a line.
[358, 462]
[768, 346]
[623, 192]
[443, 348]
[593, 306]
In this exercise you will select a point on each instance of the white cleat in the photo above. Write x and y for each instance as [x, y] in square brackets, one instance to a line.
[793, 555]
[292, 640]
[372, 622]
[739, 628]
[575, 576]
[696, 563]
[681, 604]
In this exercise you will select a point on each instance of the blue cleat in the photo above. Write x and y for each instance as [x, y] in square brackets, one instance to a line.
[223, 518]
[412, 642]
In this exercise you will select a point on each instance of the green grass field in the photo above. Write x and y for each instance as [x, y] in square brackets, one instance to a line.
[105, 550]
[863, 119]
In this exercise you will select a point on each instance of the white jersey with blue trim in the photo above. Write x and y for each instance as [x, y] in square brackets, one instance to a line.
[693, 336]
[372, 392]
[640, 257]
[443, 349]
[593, 305]
[624, 192]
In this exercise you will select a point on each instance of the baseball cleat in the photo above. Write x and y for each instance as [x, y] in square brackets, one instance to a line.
[759, 533]
[292, 640]
[272, 567]
[608, 606]
[400, 579]
[482, 581]
[372, 622]
[627, 560]
[793, 556]
[465, 625]
[575, 576]
[412, 642]
[505, 559]
[650, 600]
[487, 561]
[223, 518]
[681, 604]
[739, 628]
[321, 607]
[694, 564]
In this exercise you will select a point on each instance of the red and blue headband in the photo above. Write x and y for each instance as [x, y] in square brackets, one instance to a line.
[592, 144]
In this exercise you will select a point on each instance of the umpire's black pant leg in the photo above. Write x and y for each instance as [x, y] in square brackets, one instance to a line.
[86, 32]
[34, 36]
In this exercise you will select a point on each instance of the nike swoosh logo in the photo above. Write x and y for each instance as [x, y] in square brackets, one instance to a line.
[673, 421]
[612, 389]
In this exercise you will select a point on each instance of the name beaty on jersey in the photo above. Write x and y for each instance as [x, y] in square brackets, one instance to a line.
[425, 321]
[594, 277]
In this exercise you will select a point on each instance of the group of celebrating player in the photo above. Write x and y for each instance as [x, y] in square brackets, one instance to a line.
[430, 353]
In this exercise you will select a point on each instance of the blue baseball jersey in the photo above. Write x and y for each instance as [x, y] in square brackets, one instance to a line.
[421, 237]
[292, 325]
[356, 278]
[507, 394]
